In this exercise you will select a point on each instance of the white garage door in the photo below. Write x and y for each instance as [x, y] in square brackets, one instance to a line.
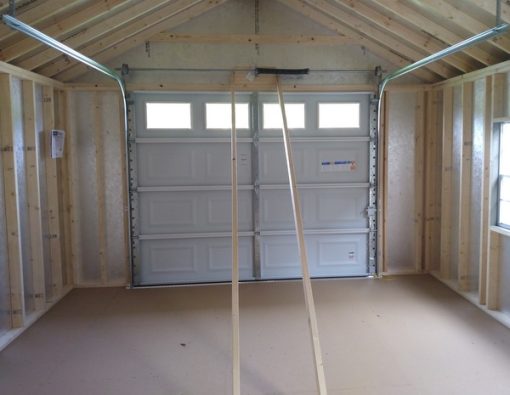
[180, 186]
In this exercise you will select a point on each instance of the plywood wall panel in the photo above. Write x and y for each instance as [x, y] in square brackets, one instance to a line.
[86, 194]
[400, 183]
[113, 135]
[98, 206]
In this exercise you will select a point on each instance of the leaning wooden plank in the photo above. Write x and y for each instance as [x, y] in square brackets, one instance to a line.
[493, 272]
[298, 221]
[11, 210]
[53, 197]
[446, 183]
[465, 188]
[236, 365]
[33, 194]
[419, 152]
[486, 192]
[100, 182]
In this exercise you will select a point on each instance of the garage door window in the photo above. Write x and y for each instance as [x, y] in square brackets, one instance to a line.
[504, 177]
[219, 116]
[168, 115]
[272, 116]
[339, 115]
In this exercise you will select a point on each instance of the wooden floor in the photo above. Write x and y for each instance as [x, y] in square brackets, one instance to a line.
[406, 335]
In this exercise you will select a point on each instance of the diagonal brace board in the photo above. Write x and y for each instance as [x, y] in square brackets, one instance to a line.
[298, 221]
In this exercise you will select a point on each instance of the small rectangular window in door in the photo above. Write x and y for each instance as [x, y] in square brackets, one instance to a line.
[168, 115]
[339, 115]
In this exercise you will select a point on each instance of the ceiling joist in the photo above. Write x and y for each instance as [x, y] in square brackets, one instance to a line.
[267, 39]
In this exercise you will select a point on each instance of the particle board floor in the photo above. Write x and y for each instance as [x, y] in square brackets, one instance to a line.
[405, 335]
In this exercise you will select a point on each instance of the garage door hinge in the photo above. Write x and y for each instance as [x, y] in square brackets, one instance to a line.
[371, 211]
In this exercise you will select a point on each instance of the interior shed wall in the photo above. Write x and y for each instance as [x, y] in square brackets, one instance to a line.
[33, 258]
[474, 254]
[401, 203]
[97, 179]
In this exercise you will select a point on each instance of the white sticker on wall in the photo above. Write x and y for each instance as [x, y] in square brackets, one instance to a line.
[57, 143]
[338, 166]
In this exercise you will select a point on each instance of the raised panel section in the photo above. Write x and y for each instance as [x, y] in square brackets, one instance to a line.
[317, 162]
[328, 256]
[192, 211]
[167, 164]
[322, 209]
[192, 260]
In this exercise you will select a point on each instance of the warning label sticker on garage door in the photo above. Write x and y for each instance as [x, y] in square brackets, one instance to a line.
[338, 165]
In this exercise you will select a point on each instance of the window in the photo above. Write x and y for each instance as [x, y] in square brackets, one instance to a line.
[339, 115]
[504, 176]
[219, 116]
[272, 116]
[168, 115]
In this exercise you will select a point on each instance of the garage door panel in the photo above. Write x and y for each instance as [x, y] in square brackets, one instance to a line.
[328, 255]
[192, 260]
[333, 162]
[322, 209]
[181, 195]
[190, 164]
[192, 211]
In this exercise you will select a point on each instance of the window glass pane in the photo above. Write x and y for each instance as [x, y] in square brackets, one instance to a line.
[219, 116]
[168, 115]
[504, 213]
[504, 189]
[504, 149]
[338, 115]
[272, 116]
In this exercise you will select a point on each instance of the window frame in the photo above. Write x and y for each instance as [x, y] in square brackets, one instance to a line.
[501, 177]
[319, 103]
[263, 117]
[147, 128]
[228, 104]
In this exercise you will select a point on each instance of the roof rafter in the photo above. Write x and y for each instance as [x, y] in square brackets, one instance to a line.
[161, 21]
[490, 7]
[334, 25]
[74, 22]
[417, 38]
[379, 36]
[42, 11]
[94, 32]
[113, 38]
[401, 9]
[465, 21]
